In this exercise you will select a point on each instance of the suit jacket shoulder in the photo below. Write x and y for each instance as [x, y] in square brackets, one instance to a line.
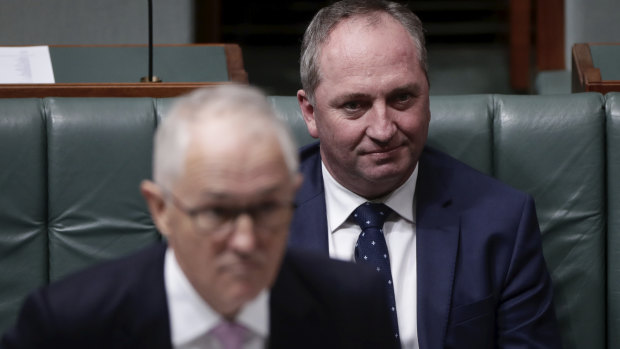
[480, 257]
[120, 304]
[456, 177]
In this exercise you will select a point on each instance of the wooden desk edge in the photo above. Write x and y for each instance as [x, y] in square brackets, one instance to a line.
[234, 63]
[584, 73]
[603, 87]
[157, 90]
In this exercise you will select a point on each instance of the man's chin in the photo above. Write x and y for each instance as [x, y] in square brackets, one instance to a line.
[388, 172]
[384, 179]
[235, 298]
[243, 292]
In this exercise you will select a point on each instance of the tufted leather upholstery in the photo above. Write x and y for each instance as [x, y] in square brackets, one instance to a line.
[71, 168]
[612, 108]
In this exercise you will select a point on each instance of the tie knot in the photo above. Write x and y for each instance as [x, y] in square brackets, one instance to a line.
[371, 215]
[230, 334]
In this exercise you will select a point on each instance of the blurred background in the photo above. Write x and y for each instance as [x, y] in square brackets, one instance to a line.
[475, 46]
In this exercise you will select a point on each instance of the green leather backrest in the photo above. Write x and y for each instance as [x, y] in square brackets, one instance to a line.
[23, 207]
[612, 108]
[554, 149]
[98, 152]
[462, 127]
[71, 168]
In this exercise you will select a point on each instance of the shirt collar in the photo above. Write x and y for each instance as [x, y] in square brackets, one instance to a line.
[191, 317]
[340, 201]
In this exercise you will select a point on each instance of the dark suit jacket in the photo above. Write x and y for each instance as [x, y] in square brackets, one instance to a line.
[315, 303]
[482, 279]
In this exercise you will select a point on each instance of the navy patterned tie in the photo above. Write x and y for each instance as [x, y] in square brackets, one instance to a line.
[371, 248]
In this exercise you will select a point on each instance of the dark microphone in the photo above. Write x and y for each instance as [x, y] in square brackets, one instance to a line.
[150, 77]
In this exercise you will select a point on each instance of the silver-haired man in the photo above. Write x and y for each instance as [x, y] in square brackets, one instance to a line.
[225, 175]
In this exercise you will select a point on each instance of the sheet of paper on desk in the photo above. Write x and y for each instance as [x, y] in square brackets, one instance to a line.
[26, 65]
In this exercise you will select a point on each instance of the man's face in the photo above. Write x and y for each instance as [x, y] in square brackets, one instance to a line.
[371, 110]
[225, 175]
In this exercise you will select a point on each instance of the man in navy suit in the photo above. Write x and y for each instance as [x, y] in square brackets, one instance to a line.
[225, 175]
[464, 249]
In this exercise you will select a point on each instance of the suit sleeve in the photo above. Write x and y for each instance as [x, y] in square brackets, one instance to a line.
[34, 326]
[525, 314]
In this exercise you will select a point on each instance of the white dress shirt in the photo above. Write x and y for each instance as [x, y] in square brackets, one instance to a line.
[191, 318]
[400, 236]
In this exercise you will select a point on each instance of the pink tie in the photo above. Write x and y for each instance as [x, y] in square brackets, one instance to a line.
[230, 334]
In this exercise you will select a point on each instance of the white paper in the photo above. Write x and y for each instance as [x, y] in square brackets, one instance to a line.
[26, 65]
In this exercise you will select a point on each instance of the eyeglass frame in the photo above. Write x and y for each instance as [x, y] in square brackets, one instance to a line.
[230, 221]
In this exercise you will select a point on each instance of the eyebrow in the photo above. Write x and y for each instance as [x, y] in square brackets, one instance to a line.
[414, 88]
[215, 195]
[338, 100]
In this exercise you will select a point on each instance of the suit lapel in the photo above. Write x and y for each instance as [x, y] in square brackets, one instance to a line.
[309, 225]
[146, 319]
[437, 248]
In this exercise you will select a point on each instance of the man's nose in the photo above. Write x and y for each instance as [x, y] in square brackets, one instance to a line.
[243, 237]
[381, 127]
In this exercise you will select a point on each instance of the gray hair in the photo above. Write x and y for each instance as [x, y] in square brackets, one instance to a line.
[328, 17]
[242, 102]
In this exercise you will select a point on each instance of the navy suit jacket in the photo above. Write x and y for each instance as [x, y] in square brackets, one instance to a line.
[314, 303]
[482, 279]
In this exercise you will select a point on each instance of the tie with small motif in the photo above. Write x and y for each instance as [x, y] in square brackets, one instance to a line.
[371, 249]
[230, 334]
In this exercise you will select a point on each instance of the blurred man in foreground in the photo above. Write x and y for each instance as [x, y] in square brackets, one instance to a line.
[225, 175]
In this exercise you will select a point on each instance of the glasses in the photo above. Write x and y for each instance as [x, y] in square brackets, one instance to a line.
[220, 221]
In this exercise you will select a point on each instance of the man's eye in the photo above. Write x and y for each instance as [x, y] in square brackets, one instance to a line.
[402, 100]
[351, 106]
[268, 206]
[217, 213]
[403, 97]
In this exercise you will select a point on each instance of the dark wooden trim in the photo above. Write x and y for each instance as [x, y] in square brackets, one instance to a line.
[520, 44]
[234, 61]
[584, 72]
[158, 90]
[604, 87]
[550, 35]
[207, 21]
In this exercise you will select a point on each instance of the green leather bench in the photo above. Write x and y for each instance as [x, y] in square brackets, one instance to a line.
[71, 167]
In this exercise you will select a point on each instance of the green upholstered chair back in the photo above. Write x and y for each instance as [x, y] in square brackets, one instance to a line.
[71, 168]
[612, 109]
[23, 203]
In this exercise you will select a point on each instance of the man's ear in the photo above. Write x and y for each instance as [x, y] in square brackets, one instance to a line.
[307, 110]
[157, 205]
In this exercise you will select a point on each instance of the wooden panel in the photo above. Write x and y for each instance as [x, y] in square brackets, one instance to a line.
[234, 61]
[550, 36]
[207, 21]
[520, 44]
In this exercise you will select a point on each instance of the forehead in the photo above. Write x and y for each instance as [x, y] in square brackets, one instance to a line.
[233, 159]
[367, 39]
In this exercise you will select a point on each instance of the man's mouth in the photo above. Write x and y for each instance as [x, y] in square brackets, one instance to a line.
[383, 151]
